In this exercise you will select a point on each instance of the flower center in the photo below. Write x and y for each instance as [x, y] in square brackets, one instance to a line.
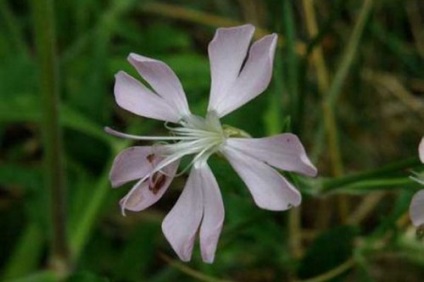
[196, 135]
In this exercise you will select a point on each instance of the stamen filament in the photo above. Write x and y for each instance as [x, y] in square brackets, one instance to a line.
[136, 137]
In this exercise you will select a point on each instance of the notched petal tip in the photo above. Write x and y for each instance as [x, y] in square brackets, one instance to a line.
[163, 81]
[250, 80]
[136, 57]
[119, 74]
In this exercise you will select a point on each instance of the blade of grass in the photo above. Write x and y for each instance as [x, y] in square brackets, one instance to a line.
[27, 253]
[84, 222]
[328, 112]
[80, 234]
[292, 64]
[349, 53]
[43, 16]
[13, 25]
[335, 87]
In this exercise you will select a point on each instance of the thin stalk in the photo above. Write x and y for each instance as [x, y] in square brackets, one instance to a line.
[43, 16]
[333, 273]
[292, 81]
[292, 64]
[365, 208]
[338, 183]
[349, 53]
[336, 86]
[13, 26]
[378, 184]
[333, 93]
[199, 276]
[328, 113]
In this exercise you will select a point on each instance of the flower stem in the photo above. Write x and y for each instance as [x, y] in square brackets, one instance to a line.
[53, 157]
[332, 185]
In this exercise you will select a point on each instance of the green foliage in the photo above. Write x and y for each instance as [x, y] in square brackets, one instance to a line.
[361, 127]
[335, 245]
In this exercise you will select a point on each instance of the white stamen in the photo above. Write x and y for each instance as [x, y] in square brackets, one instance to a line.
[153, 138]
[195, 135]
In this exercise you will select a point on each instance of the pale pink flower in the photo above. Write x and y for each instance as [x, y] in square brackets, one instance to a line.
[235, 81]
[416, 209]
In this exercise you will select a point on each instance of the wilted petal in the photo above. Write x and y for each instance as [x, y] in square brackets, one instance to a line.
[227, 51]
[213, 214]
[163, 80]
[131, 164]
[283, 151]
[421, 150]
[146, 193]
[268, 188]
[253, 78]
[182, 222]
[416, 209]
[133, 96]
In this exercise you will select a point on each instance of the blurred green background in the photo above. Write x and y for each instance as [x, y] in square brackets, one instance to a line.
[348, 79]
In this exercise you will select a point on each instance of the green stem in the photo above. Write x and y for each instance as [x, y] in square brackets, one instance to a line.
[378, 184]
[341, 182]
[43, 16]
[349, 53]
[292, 63]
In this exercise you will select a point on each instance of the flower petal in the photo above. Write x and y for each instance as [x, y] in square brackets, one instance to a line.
[227, 51]
[268, 188]
[253, 78]
[213, 214]
[421, 150]
[130, 164]
[163, 80]
[284, 151]
[416, 209]
[146, 193]
[182, 222]
[134, 97]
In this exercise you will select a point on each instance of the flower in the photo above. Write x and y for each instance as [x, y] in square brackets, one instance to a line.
[416, 209]
[235, 81]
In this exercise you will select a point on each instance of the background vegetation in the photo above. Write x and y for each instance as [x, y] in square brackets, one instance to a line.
[348, 79]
